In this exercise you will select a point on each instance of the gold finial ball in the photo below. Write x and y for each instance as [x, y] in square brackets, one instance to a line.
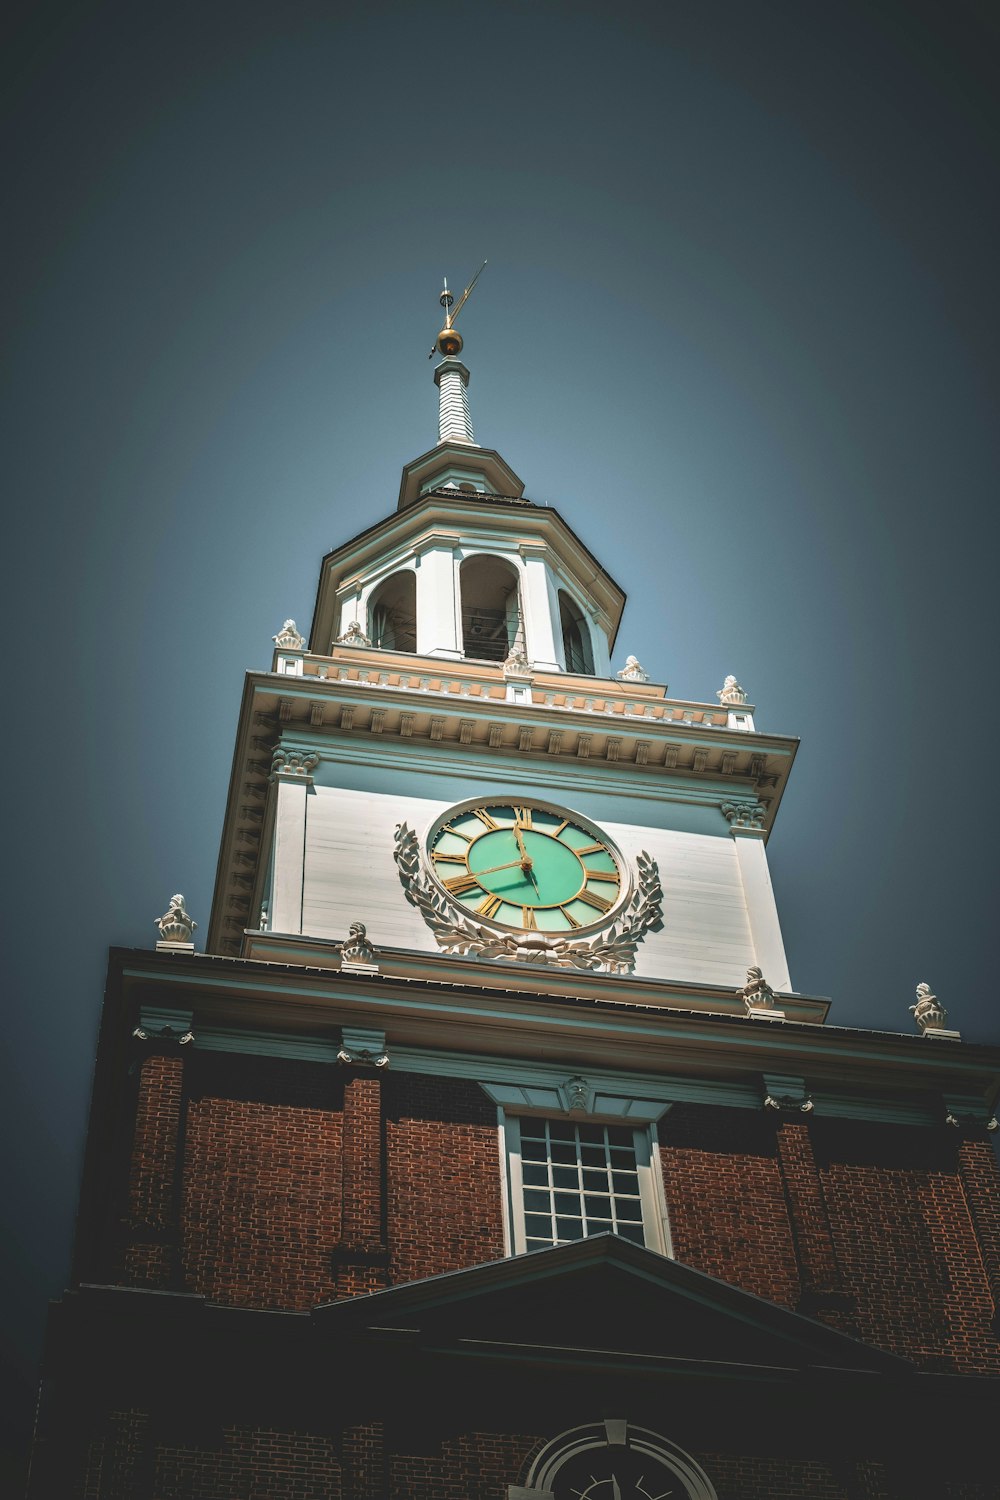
[449, 342]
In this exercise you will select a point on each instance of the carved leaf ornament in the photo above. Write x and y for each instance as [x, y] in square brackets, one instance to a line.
[612, 950]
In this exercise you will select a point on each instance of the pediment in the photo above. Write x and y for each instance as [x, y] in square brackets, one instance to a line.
[604, 1294]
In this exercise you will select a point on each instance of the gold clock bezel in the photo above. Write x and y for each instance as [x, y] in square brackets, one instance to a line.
[579, 820]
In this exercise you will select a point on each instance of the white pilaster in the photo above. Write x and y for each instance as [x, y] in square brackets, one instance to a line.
[438, 618]
[540, 611]
[292, 791]
[762, 913]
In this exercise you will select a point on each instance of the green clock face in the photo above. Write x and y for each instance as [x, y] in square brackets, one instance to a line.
[526, 867]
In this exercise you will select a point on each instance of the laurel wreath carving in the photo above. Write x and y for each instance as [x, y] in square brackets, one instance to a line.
[612, 950]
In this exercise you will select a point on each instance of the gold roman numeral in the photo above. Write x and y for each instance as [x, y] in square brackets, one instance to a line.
[591, 849]
[484, 817]
[557, 831]
[603, 875]
[593, 899]
[449, 829]
[569, 917]
[460, 885]
[490, 905]
[528, 918]
[447, 859]
[522, 815]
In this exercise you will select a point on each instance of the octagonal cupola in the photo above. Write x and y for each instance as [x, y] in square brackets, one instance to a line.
[467, 568]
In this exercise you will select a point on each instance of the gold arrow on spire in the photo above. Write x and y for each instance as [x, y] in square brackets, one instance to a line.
[449, 341]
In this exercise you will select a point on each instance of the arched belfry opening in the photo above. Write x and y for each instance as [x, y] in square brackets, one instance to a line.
[575, 636]
[392, 613]
[491, 608]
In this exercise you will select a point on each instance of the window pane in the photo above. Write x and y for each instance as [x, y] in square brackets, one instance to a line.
[569, 1229]
[597, 1208]
[583, 1174]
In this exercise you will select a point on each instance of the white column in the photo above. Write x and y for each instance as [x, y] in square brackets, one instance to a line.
[292, 783]
[762, 913]
[438, 619]
[539, 631]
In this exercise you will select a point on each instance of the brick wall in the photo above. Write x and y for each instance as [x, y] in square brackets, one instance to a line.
[725, 1201]
[262, 1180]
[905, 1243]
[301, 1183]
[870, 1227]
[444, 1209]
[139, 1454]
[877, 1216]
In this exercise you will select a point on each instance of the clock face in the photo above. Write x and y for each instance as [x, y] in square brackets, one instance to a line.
[526, 866]
[616, 1474]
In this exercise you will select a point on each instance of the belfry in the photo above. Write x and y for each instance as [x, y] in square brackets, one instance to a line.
[487, 1150]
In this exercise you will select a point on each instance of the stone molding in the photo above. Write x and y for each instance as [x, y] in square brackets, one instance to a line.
[744, 816]
[295, 765]
[362, 1047]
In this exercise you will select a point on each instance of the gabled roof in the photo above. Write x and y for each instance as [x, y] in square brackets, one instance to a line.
[605, 1294]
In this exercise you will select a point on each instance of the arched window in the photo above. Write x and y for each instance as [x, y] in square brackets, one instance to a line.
[491, 608]
[576, 636]
[612, 1455]
[392, 613]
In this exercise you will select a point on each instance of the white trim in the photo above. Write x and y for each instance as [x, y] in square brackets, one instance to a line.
[655, 1234]
[505, 1213]
[659, 1187]
[544, 1472]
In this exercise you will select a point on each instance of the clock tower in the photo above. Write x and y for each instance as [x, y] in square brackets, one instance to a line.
[488, 1150]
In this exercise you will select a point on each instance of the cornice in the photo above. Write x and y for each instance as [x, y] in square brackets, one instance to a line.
[575, 1031]
[685, 753]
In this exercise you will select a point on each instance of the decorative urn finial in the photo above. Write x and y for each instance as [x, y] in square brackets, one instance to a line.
[731, 692]
[929, 1014]
[357, 952]
[759, 998]
[175, 927]
[288, 638]
[632, 671]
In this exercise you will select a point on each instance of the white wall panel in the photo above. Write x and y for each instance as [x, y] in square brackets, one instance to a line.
[350, 874]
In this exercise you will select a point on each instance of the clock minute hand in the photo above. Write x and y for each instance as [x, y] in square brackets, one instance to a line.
[511, 865]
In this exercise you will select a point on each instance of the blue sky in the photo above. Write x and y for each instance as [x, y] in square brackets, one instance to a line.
[739, 325]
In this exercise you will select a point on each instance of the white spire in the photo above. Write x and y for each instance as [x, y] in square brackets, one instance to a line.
[454, 418]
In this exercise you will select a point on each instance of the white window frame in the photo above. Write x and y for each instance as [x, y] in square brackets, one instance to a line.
[656, 1230]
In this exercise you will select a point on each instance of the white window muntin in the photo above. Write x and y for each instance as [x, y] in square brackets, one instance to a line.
[605, 1184]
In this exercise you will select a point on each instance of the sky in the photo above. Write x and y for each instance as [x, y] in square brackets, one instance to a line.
[739, 325]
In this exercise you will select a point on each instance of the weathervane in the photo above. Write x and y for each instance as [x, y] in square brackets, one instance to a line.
[449, 340]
